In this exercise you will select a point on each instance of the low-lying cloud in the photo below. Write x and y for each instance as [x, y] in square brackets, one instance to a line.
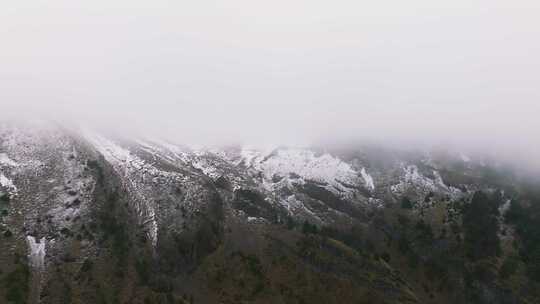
[281, 72]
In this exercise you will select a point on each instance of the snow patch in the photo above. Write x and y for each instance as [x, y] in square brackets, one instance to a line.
[413, 178]
[254, 219]
[304, 163]
[368, 180]
[439, 180]
[7, 183]
[504, 207]
[36, 253]
[6, 161]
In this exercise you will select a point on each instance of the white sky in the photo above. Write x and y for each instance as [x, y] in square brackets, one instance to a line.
[280, 71]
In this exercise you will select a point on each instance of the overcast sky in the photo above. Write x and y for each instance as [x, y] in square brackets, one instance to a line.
[280, 71]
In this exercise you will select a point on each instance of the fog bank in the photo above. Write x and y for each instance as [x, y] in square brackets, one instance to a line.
[463, 73]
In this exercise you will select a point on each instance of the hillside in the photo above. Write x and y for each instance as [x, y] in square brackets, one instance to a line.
[93, 218]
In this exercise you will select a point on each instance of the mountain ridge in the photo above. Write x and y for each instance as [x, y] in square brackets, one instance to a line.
[88, 218]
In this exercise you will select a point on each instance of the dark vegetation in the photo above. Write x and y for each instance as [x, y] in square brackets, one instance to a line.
[183, 250]
[446, 254]
[524, 214]
[112, 219]
[406, 203]
[315, 191]
[16, 282]
[4, 197]
[314, 268]
[4, 203]
[254, 204]
[481, 225]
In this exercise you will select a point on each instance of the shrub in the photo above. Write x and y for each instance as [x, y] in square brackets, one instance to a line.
[87, 265]
[406, 203]
[309, 228]
[4, 197]
[8, 233]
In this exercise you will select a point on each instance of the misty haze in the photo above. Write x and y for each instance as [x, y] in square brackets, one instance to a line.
[269, 152]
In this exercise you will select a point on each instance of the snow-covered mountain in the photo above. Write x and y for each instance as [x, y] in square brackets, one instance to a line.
[91, 218]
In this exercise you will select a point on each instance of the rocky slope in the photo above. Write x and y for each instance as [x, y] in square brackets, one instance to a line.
[90, 218]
